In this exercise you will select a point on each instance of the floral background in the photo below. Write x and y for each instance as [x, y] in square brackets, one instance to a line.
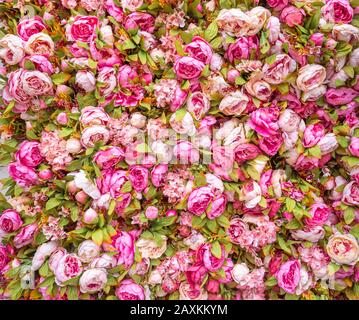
[164, 149]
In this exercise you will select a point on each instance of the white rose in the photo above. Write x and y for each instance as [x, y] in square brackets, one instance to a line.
[11, 49]
[149, 248]
[240, 273]
[328, 143]
[107, 35]
[73, 146]
[88, 250]
[138, 120]
[313, 234]
[93, 280]
[85, 80]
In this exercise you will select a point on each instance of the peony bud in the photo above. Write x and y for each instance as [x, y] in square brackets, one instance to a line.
[81, 197]
[73, 145]
[45, 174]
[151, 213]
[62, 118]
[90, 216]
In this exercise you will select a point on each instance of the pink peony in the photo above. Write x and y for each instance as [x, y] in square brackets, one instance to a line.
[288, 276]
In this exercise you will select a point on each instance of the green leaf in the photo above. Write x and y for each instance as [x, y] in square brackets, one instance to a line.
[216, 249]
[264, 44]
[333, 268]
[212, 226]
[143, 57]
[223, 221]
[128, 44]
[143, 148]
[355, 231]
[179, 48]
[65, 132]
[60, 78]
[72, 293]
[47, 282]
[349, 215]
[315, 152]
[283, 245]
[290, 204]
[293, 224]
[52, 203]
[211, 31]
[216, 42]
[97, 237]
[271, 59]
[271, 282]
[127, 187]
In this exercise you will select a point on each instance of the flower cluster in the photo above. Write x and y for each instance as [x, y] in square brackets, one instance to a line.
[190, 149]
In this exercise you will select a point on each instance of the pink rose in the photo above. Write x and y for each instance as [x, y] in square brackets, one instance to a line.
[277, 4]
[199, 200]
[107, 78]
[185, 152]
[338, 11]
[10, 221]
[27, 27]
[270, 145]
[138, 176]
[29, 154]
[25, 236]
[276, 72]
[292, 16]
[94, 134]
[264, 121]
[56, 257]
[4, 256]
[129, 290]
[41, 63]
[313, 134]
[211, 262]
[114, 10]
[218, 206]
[223, 156]
[69, 266]
[198, 105]
[354, 146]
[83, 28]
[124, 244]
[288, 276]
[112, 182]
[158, 174]
[141, 20]
[93, 116]
[234, 103]
[196, 273]
[242, 48]
[246, 151]
[85, 80]
[24, 84]
[41, 44]
[304, 163]
[188, 68]
[24, 176]
[310, 77]
[199, 49]
[319, 215]
[107, 159]
[340, 96]
[351, 194]
[289, 121]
